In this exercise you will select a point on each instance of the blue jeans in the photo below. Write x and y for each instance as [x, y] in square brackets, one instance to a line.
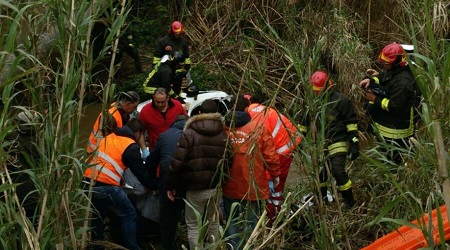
[115, 199]
[243, 220]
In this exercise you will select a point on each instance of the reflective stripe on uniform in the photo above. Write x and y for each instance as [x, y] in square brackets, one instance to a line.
[397, 133]
[288, 145]
[352, 127]
[346, 186]
[116, 166]
[156, 60]
[277, 127]
[303, 129]
[149, 89]
[377, 81]
[106, 171]
[277, 194]
[338, 147]
[275, 202]
[180, 71]
[385, 104]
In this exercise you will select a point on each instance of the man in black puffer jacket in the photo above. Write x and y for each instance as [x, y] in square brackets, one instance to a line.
[199, 165]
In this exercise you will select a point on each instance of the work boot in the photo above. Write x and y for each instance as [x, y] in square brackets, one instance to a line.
[348, 198]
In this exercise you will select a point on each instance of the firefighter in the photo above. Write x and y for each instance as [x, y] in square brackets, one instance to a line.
[341, 134]
[175, 45]
[392, 97]
[128, 45]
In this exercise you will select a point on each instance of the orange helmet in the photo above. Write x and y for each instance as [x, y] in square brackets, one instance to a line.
[393, 54]
[320, 81]
[176, 28]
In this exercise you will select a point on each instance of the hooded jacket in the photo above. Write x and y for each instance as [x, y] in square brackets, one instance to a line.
[253, 153]
[285, 135]
[197, 163]
[163, 151]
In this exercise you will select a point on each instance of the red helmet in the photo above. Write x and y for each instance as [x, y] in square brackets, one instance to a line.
[319, 81]
[176, 28]
[393, 54]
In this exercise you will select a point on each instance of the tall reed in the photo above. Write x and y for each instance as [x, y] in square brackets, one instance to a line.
[46, 66]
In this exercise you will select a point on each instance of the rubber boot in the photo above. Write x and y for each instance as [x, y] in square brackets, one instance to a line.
[348, 198]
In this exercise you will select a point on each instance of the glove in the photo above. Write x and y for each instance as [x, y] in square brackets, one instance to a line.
[372, 72]
[276, 181]
[353, 148]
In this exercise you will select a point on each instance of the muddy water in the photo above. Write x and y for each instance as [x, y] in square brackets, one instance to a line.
[90, 113]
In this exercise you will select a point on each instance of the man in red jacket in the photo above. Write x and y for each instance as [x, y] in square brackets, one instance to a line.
[159, 114]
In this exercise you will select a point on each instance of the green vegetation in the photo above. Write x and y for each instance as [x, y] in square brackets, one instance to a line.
[240, 47]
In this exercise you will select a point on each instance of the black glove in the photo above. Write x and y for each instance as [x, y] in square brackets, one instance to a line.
[353, 148]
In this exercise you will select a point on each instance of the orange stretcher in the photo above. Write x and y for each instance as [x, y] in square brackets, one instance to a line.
[405, 237]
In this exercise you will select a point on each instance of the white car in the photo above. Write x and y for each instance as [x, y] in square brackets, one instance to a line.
[192, 104]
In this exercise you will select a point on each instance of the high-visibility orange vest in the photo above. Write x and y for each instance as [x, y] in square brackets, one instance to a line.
[96, 133]
[284, 133]
[108, 166]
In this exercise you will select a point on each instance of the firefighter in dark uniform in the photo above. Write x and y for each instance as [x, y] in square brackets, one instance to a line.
[127, 45]
[341, 134]
[177, 47]
[392, 97]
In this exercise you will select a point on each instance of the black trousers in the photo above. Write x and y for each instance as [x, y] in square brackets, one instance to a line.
[394, 153]
[170, 214]
[337, 164]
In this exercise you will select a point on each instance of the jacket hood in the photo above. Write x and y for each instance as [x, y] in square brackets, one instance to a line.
[240, 118]
[125, 131]
[206, 124]
[179, 124]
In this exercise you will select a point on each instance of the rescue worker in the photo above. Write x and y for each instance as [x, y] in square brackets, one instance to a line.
[286, 139]
[253, 154]
[392, 96]
[99, 34]
[175, 45]
[116, 153]
[117, 115]
[128, 45]
[341, 134]
[162, 75]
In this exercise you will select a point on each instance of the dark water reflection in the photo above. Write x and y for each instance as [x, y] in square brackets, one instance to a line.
[90, 113]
